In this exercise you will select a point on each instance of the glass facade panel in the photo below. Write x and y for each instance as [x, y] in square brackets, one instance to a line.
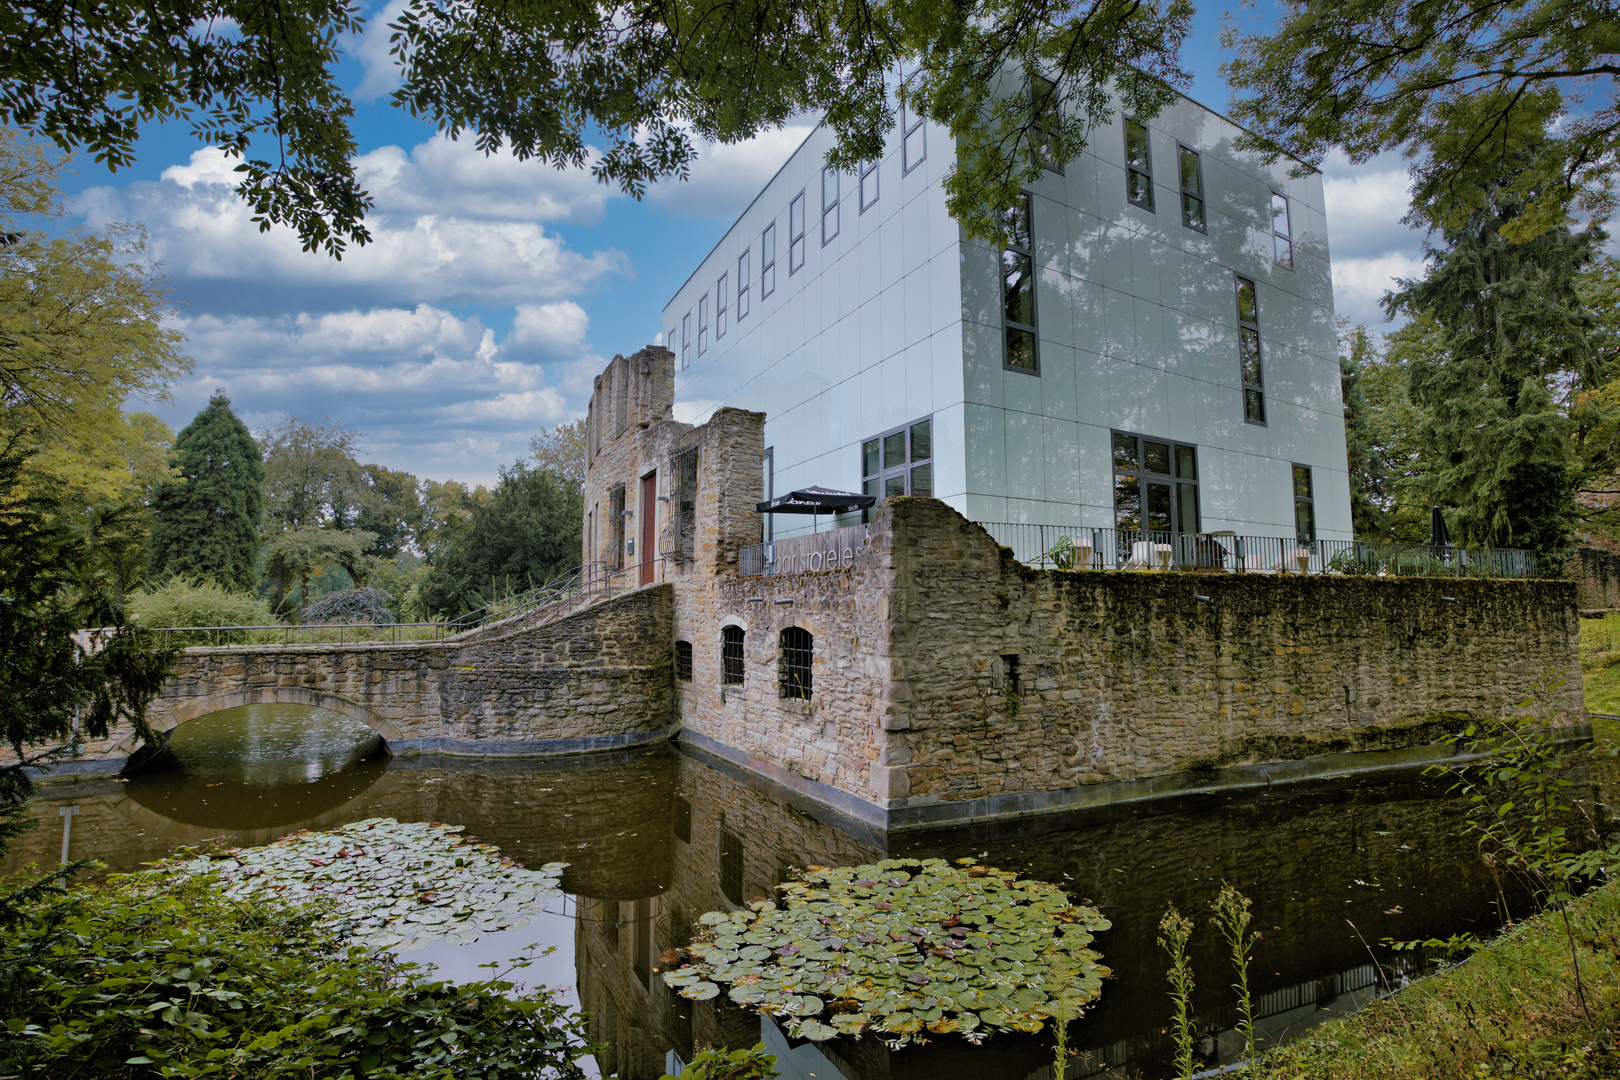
[894, 485]
[906, 467]
[1046, 108]
[829, 206]
[894, 449]
[720, 299]
[1021, 350]
[1304, 505]
[1138, 165]
[922, 440]
[703, 324]
[1018, 291]
[1254, 406]
[767, 261]
[1186, 463]
[1192, 189]
[742, 285]
[1249, 351]
[796, 234]
[1125, 456]
[1146, 495]
[922, 480]
[1158, 507]
[1250, 345]
[1127, 501]
[914, 146]
[1248, 309]
[1282, 232]
[1187, 507]
[869, 458]
[869, 185]
[1156, 458]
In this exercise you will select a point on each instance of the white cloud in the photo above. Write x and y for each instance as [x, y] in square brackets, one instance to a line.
[421, 249]
[445, 176]
[372, 47]
[1359, 284]
[552, 327]
[725, 177]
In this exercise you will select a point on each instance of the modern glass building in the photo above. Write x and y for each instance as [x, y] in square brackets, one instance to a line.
[1154, 347]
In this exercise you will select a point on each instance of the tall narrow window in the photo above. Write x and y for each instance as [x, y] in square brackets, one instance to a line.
[616, 527]
[767, 261]
[641, 940]
[742, 285]
[1018, 290]
[703, 324]
[683, 661]
[869, 185]
[796, 234]
[1046, 121]
[829, 206]
[1192, 189]
[1282, 236]
[680, 821]
[686, 341]
[720, 308]
[913, 143]
[1155, 486]
[899, 462]
[1138, 165]
[731, 656]
[1248, 312]
[1304, 505]
[768, 467]
[798, 652]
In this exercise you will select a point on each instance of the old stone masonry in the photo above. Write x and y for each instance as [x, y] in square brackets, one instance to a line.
[907, 671]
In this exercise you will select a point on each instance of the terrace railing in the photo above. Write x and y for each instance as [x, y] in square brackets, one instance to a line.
[1070, 547]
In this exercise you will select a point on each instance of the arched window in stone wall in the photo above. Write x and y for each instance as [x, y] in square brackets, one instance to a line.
[731, 656]
[798, 652]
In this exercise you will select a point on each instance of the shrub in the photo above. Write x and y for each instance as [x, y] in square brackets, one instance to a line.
[178, 603]
[365, 605]
[137, 978]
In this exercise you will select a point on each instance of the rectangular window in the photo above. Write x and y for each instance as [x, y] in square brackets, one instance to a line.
[1192, 189]
[1282, 236]
[829, 206]
[1046, 120]
[869, 185]
[767, 261]
[913, 144]
[899, 462]
[1248, 312]
[798, 654]
[796, 234]
[1155, 486]
[742, 285]
[720, 308]
[731, 656]
[1138, 166]
[683, 661]
[680, 815]
[1304, 506]
[686, 341]
[703, 324]
[731, 865]
[1018, 290]
[616, 527]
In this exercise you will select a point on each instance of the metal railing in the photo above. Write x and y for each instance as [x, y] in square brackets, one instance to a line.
[586, 583]
[1073, 547]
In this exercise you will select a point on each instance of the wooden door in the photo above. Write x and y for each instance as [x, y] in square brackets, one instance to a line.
[649, 515]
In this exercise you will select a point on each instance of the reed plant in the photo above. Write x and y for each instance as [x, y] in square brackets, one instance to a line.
[1175, 929]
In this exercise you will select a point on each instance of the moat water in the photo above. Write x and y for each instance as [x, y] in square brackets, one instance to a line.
[654, 839]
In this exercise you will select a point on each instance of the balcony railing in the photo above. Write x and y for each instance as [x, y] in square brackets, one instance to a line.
[1072, 547]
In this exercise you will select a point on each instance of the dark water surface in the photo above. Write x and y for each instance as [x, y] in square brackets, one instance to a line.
[655, 839]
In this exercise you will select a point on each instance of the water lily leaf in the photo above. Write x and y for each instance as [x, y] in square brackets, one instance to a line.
[700, 991]
[816, 1031]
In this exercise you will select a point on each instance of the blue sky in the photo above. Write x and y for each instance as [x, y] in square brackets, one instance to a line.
[496, 289]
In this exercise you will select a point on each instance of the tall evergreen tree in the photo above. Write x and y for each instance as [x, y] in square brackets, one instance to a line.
[1511, 332]
[1368, 480]
[206, 524]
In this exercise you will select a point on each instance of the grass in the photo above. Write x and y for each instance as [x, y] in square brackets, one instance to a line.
[1510, 1010]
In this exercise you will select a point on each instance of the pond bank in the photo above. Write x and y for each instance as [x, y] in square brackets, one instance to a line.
[1509, 1011]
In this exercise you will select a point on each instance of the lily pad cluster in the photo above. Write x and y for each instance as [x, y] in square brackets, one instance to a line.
[902, 949]
[390, 884]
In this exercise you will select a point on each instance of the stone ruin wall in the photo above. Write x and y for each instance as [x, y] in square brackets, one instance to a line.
[1596, 573]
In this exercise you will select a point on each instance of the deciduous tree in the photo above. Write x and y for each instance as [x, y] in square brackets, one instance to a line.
[651, 82]
[561, 449]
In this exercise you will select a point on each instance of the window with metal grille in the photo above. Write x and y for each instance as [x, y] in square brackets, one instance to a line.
[767, 261]
[1047, 119]
[731, 865]
[720, 308]
[1282, 236]
[683, 661]
[742, 284]
[731, 656]
[1155, 485]
[684, 466]
[1248, 313]
[1138, 165]
[913, 143]
[1018, 290]
[1192, 189]
[829, 206]
[899, 462]
[796, 234]
[869, 185]
[616, 526]
[680, 819]
[1304, 505]
[798, 651]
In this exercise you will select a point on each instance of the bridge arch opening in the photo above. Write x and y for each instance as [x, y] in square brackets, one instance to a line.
[166, 714]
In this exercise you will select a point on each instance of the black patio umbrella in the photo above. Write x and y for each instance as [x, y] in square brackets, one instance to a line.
[816, 500]
[1439, 535]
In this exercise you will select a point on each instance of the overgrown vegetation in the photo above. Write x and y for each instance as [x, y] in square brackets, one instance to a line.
[154, 976]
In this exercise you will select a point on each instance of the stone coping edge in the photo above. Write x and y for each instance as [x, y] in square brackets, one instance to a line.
[1329, 770]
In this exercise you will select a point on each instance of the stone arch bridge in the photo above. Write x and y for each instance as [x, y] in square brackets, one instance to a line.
[600, 678]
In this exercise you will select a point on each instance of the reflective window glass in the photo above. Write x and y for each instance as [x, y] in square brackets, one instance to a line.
[1186, 463]
[1156, 458]
[869, 457]
[1127, 502]
[894, 449]
[1125, 452]
[1158, 507]
[922, 480]
[922, 440]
